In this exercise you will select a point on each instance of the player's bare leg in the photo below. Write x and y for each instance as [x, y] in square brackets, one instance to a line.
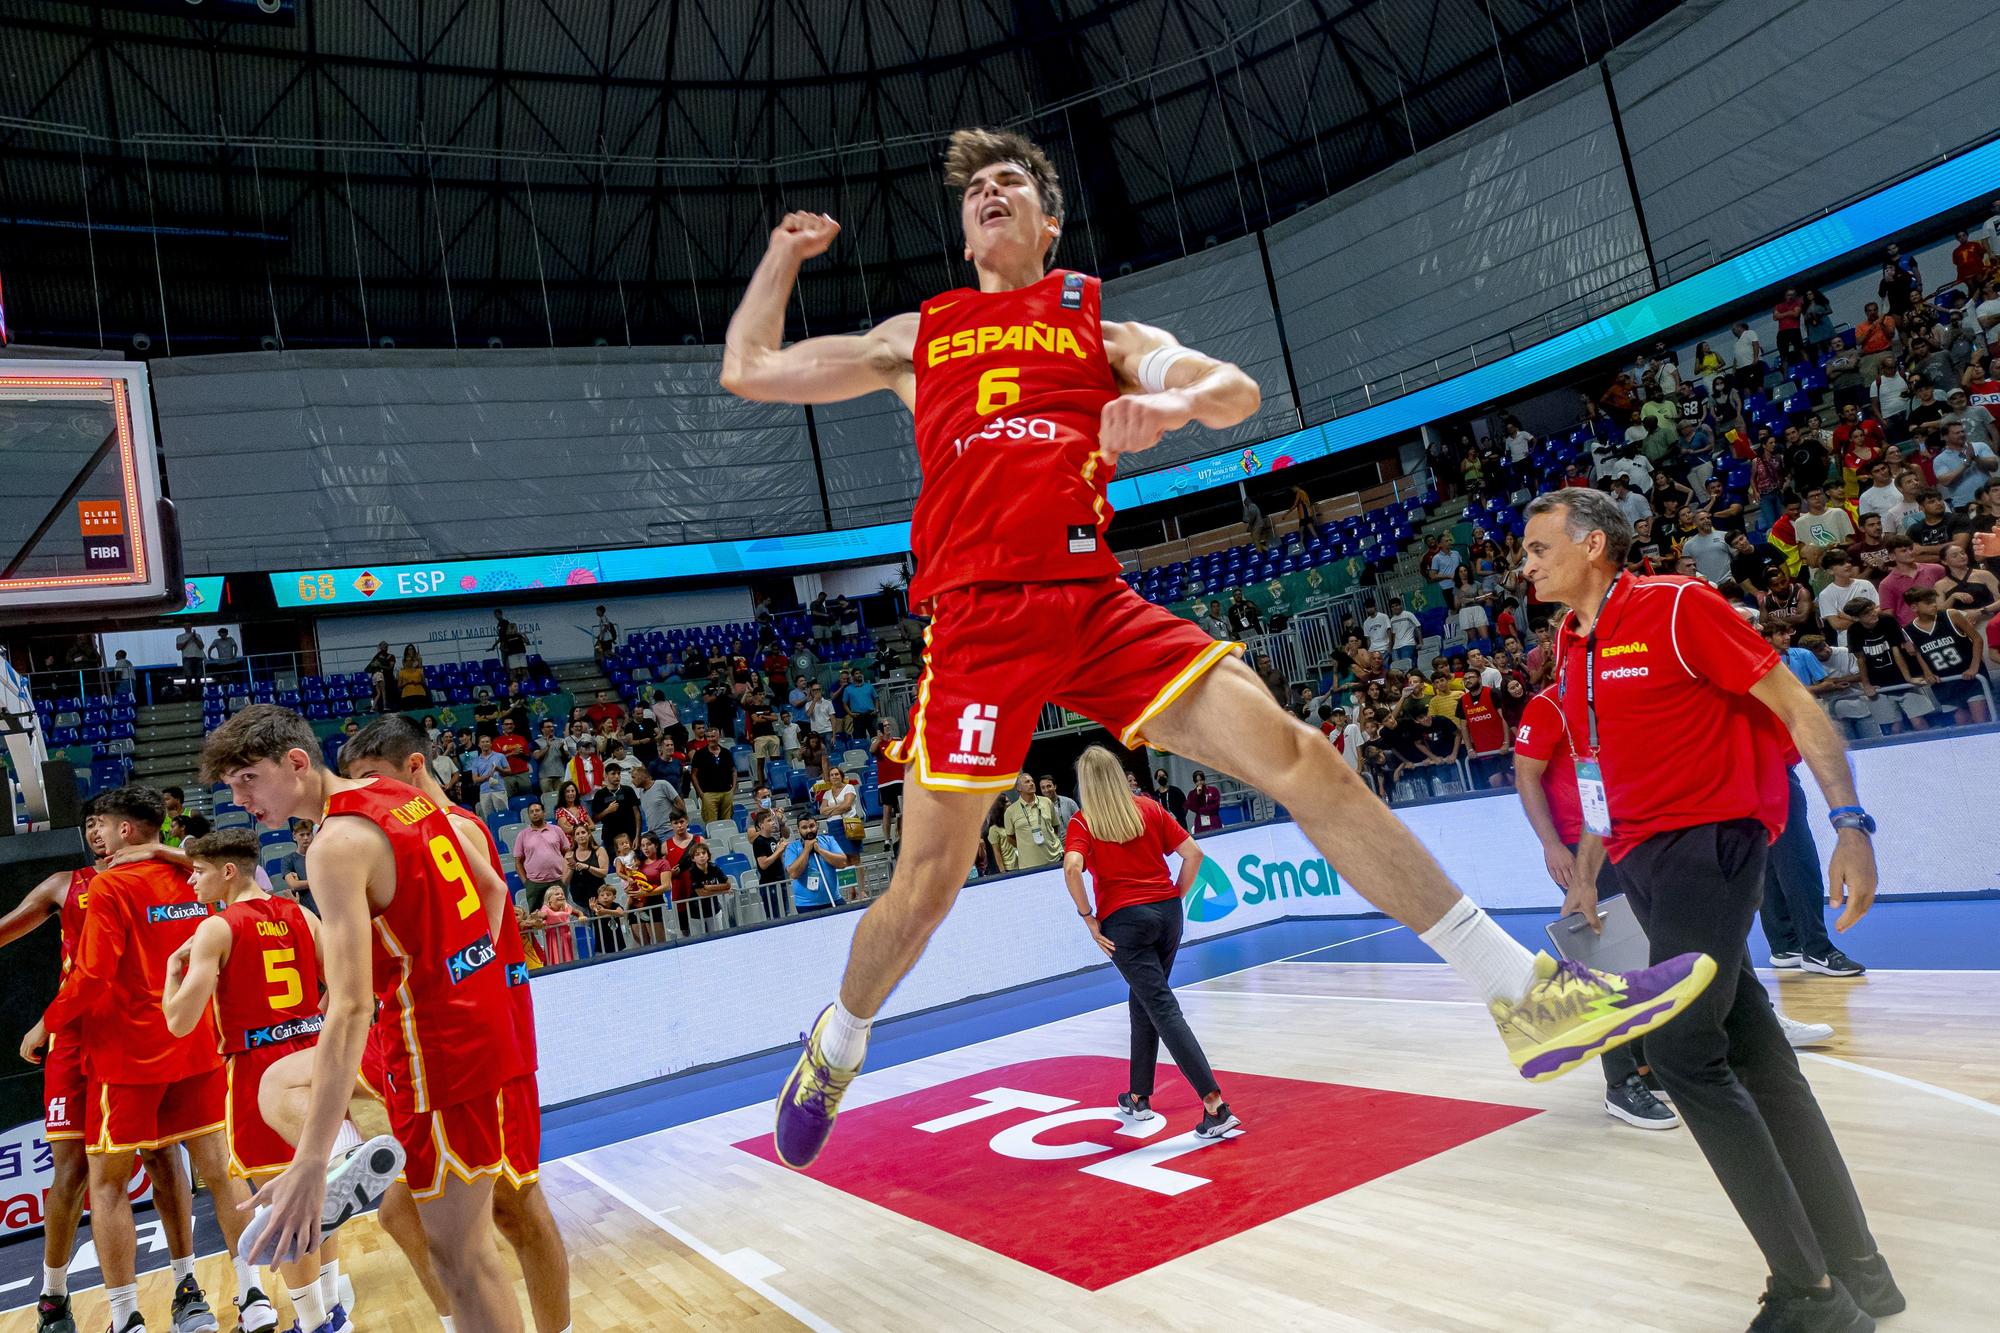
[941, 833]
[458, 1223]
[111, 1226]
[173, 1198]
[1553, 1017]
[522, 1214]
[397, 1215]
[69, 1186]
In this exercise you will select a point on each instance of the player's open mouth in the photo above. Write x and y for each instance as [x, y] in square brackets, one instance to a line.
[994, 211]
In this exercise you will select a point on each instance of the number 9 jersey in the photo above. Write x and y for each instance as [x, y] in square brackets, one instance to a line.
[444, 1010]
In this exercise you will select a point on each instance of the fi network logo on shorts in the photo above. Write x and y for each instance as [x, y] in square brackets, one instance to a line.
[976, 726]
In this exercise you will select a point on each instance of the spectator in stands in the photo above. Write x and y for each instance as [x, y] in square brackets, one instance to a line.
[1206, 616]
[541, 854]
[607, 921]
[860, 701]
[1819, 327]
[1789, 313]
[1978, 421]
[813, 866]
[1963, 467]
[1877, 642]
[485, 713]
[1405, 632]
[996, 836]
[590, 867]
[1302, 514]
[192, 650]
[1034, 836]
[1257, 524]
[1842, 587]
[819, 714]
[292, 880]
[1966, 587]
[1935, 528]
[767, 848]
[1874, 339]
[615, 806]
[604, 637]
[586, 768]
[1906, 572]
[1747, 358]
[553, 917]
[1970, 260]
[1890, 392]
[1244, 617]
[513, 746]
[813, 757]
[511, 644]
[605, 709]
[1204, 804]
[490, 771]
[1066, 808]
[551, 753]
[1941, 647]
[1471, 600]
[713, 771]
[889, 783]
[760, 725]
[1708, 548]
[411, 690]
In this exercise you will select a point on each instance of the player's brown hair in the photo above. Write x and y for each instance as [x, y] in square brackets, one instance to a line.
[972, 151]
[261, 731]
[230, 844]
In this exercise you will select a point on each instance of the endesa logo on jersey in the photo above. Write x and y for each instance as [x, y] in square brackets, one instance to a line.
[1007, 428]
[1625, 673]
[470, 959]
[175, 912]
[277, 1034]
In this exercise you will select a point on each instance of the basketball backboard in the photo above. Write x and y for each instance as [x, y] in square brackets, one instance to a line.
[84, 532]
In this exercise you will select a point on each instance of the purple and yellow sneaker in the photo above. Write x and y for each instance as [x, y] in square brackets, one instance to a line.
[809, 1102]
[1573, 1014]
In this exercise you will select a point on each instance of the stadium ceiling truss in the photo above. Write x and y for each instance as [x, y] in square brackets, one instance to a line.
[453, 172]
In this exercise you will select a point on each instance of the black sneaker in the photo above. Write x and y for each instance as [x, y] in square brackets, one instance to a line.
[1834, 964]
[136, 1324]
[1657, 1088]
[1214, 1124]
[1634, 1103]
[1789, 1309]
[52, 1315]
[1139, 1110]
[191, 1313]
[1873, 1288]
[1788, 960]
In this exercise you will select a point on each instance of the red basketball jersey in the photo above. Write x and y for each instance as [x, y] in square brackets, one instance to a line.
[75, 903]
[268, 991]
[1009, 388]
[443, 993]
[513, 957]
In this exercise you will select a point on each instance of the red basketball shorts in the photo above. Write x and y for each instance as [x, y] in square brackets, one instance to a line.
[131, 1117]
[467, 1140]
[256, 1151]
[65, 1089]
[521, 1129]
[995, 654]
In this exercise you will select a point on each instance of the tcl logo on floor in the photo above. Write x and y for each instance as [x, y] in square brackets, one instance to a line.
[1033, 1161]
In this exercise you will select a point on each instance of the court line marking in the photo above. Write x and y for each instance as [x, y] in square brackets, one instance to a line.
[1354, 999]
[749, 1267]
[1962, 1098]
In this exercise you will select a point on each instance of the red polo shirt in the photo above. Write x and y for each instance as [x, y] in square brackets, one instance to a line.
[1680, 741]
[1125, 873]
[1543, 736]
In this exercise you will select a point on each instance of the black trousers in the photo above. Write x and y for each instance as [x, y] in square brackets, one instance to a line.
[1733, 1077]
[1624, 1062]
[1794, 911]
[1147, 936]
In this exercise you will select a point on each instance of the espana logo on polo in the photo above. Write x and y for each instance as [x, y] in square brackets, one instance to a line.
[1213, 894]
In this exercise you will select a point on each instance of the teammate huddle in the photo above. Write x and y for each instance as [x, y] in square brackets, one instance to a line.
[199, 1011]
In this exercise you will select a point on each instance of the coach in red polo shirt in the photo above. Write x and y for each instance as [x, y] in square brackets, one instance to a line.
[1642, 663]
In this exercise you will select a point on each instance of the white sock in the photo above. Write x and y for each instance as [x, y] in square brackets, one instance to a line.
[844, 1040]
[55, 1281]
[246, 1277]
[329, 1283]
[345, 1142]
[308, 1305]
[1482, 953]
[124, 1304]
[183, 1266]
[449, 1327]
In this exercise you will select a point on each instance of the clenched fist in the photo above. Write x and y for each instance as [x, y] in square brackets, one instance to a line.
[1135, 421]
[804, 235]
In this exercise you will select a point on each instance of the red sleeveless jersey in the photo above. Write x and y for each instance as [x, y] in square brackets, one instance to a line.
[1009, 388]
[513, 957]
[443, 993]
[268, 992]
[75, 903]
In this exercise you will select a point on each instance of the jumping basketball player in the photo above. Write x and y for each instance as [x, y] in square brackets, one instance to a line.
[394, 747]
[257, 959]
[387, 863]
[65, 1092]
[1025, 398]
[149, 1088]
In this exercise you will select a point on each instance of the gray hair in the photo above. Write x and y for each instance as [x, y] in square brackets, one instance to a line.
[1585, 511]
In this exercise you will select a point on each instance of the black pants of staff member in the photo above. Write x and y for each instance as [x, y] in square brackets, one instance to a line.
[1794, 892]
[1732, 1075]
[1146, 937]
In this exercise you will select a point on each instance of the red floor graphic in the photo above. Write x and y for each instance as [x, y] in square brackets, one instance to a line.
[1031, 1160]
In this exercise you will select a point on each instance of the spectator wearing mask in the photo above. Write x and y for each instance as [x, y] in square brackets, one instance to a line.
[1164, 791]
[1204, 804]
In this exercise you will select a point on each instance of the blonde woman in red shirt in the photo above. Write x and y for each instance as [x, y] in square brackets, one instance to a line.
[1123, 840]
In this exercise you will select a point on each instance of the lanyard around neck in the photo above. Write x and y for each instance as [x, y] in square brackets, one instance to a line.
[1590, 667]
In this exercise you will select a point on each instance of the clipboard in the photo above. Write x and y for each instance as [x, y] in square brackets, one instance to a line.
[1622, 947]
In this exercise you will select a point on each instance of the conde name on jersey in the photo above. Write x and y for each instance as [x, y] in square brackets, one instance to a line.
[1035, 337]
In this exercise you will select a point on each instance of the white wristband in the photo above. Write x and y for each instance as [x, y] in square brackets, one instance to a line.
[1154, 365]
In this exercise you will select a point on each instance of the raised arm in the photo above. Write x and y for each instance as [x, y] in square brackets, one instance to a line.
[191, 976]
[755, 363]
[1166, 386]
[42, 902]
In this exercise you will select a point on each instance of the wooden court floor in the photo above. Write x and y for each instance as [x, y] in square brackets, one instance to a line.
[1562, 1220]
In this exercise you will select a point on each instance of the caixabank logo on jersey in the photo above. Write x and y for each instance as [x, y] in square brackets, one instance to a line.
[291, 1029]
[160, 912]
[1214, 895]
[470, 959]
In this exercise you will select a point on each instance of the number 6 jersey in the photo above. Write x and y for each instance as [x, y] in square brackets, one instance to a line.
[445, 1012]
